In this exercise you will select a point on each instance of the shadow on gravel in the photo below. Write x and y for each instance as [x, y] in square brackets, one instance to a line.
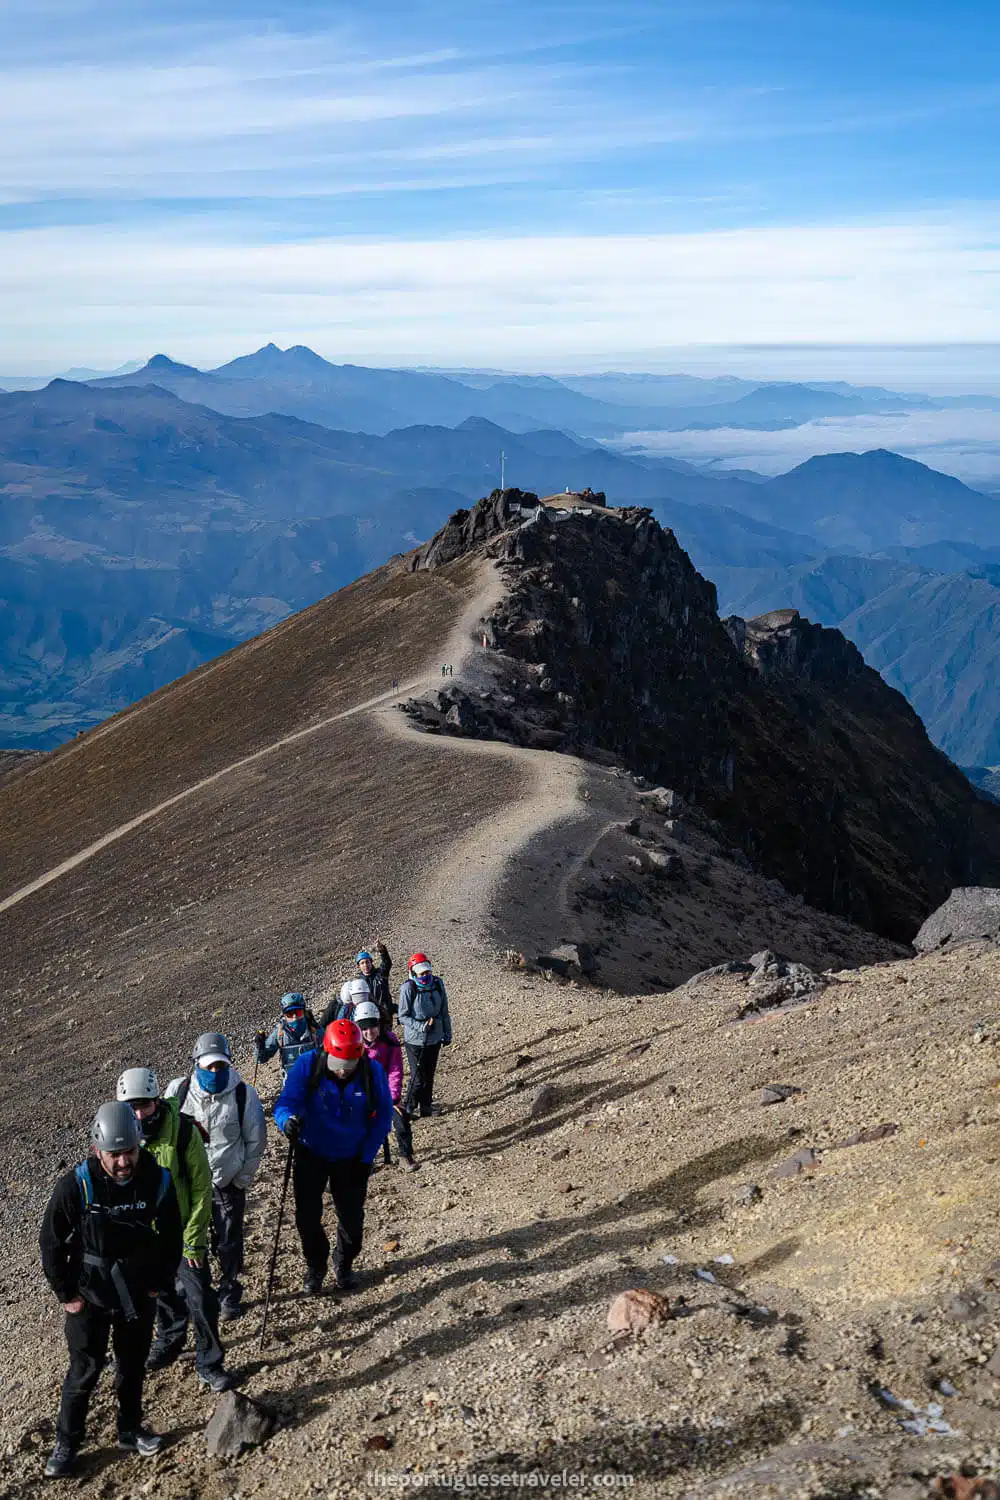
[655, 1452]
[776, 1256]
[570, 1103]
[534, 1251]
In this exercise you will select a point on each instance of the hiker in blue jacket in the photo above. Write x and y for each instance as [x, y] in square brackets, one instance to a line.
[291, 1036]
[336, 1109]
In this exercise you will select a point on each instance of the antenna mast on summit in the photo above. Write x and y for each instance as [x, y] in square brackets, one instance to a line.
[503, 459]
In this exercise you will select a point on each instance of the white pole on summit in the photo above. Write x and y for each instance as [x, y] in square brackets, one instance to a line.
[503, 459]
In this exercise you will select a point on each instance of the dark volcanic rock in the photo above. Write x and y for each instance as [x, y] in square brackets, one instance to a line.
[969, 914]
[803, 1160]
[815, 770]
[238, 1423]
[777, 1093]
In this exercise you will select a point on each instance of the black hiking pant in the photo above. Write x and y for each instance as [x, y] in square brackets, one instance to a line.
[193, 1298]
[348, 1184]
[423, 1063]
[228, 1210]
[403, 1132]
[87, 1335]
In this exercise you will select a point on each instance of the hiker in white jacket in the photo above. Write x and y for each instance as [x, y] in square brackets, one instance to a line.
[231, 1117]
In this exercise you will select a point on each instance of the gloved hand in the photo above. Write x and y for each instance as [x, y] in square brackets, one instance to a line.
[293, 1126]
[260, 1038]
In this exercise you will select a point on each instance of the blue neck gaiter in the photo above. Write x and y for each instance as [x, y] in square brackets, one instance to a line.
[212, 1083]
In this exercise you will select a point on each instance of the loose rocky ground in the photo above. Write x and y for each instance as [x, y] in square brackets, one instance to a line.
[478, 1339]
[828, 1257]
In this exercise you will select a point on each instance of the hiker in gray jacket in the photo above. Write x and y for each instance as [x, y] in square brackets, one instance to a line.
[231, 1117]
[423, 1010]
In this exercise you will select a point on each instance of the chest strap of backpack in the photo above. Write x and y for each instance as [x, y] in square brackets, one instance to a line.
[113, 1268]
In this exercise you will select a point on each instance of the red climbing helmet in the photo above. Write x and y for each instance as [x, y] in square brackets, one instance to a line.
[343, 1039]
[417, 958]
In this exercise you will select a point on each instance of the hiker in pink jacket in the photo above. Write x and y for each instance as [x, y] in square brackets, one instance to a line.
[383, 1046]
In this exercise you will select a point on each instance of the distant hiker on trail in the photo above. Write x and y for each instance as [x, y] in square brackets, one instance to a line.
[110, 1243]
[423, 1010]
[176, 1141]
[336, 1111]
[370, 983]
[230, 1114]
[296, 1032]
[383, 1046]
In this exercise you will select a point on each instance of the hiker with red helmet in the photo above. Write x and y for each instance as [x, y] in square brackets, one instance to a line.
[336, 1109]
[423, 1010]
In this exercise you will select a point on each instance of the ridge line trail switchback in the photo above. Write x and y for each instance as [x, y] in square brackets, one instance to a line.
[473, 611]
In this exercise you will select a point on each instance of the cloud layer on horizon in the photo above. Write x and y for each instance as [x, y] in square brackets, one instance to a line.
[524, 182]
[965, 443]
[572, 300]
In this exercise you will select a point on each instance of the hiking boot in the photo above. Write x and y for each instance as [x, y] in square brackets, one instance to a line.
[140, 1440]
[343, 1279]
[217, 1381]
[160, 1357]
[230, 1311]
[408, 1164]
[313, 1284]
[61, 1462]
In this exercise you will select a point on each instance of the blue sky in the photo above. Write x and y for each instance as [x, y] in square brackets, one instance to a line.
[521, 184]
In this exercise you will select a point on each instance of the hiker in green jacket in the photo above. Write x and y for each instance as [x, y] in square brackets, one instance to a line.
[177, 1144]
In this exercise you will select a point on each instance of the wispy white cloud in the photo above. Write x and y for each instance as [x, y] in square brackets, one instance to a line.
[199, 292]
[282, 114]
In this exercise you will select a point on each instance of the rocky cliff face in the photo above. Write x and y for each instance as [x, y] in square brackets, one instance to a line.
[608, 644]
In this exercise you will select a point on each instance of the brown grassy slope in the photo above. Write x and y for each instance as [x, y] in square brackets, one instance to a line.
[320, 662]
[203, 915]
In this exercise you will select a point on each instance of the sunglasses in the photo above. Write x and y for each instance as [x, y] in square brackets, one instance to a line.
[296, 1014]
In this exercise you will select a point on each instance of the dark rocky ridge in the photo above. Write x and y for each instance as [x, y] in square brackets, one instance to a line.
[608, 644]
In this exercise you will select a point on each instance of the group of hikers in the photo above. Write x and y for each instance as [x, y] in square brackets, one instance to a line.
[126, 1236]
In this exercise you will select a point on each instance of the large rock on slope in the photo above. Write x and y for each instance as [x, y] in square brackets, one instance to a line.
[969, 914]
[608, 644]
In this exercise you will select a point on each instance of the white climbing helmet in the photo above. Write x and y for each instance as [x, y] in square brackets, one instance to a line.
[137, 1083]
[357, 991]
[367, 1014]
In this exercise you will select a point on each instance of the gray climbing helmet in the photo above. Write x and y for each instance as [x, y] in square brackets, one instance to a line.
[138, 1083]
[210, 1047]
[115, 1128]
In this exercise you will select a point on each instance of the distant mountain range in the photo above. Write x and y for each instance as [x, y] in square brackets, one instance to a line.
[927, 618]
[141, 534]
[298, 382]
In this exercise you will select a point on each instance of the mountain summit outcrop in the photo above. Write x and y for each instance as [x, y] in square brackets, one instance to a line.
[608, 644]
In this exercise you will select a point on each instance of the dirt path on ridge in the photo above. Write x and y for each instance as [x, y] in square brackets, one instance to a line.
[473, 611]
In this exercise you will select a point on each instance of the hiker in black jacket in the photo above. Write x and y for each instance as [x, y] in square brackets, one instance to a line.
[110, 1243]
[370, 983]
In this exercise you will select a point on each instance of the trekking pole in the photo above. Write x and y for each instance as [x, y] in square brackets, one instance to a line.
[277, 1238]
[256, 1065]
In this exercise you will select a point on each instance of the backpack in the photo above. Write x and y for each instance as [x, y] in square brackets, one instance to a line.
[241, 1105]
[317, 1073]
[86, 1185]
[94, 1254]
